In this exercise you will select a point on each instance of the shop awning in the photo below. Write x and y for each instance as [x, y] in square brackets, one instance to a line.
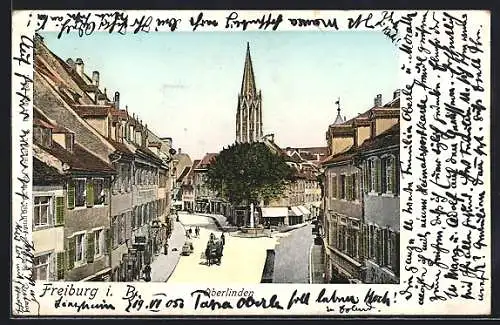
[275, 212]
[304, 210]
[295, 211]
[102, 272]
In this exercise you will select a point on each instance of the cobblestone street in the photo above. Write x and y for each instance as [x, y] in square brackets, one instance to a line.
[242, 262]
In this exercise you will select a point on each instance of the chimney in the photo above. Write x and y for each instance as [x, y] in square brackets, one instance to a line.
[179, 151]
[396, 94]
[167, 141]
[95, 78]
[79, 67]
[71, 63]
[378, 100]
[117, 100]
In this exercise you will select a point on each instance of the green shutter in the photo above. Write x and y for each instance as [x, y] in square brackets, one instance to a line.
[60, 265]
[59, 210]
[395, 188]
[108, 241]
[334, 186]
[106, 186]
[378, 173]
[365, 177]
[71, 253]
[349, 187]
[90, 193]
[71, 195]
[90, 247]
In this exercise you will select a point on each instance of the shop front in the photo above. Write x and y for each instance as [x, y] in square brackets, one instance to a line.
[275, 216]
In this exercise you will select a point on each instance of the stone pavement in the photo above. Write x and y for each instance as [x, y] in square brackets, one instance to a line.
[291, 263]
[163, 265]
[242, 261]
[317, 265]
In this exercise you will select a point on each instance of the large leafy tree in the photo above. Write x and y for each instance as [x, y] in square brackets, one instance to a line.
[246, 173]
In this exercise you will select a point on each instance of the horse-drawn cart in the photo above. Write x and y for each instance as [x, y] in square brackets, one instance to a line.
[213, 252]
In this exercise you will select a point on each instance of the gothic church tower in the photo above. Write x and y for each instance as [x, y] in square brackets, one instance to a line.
[249, 113]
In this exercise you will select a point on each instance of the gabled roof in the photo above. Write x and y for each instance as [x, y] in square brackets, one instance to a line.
[207, 160]
[184, 174]
[193, 167]
[42, 172]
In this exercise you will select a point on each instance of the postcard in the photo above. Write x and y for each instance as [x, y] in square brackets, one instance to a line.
[250, 163]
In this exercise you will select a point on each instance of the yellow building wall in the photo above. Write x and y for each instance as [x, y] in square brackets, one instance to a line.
[99, 124]
[363, 133]
[60, 138]
[49, 239]
[341, 144]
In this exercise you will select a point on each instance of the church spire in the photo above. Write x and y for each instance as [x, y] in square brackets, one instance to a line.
[248, 83]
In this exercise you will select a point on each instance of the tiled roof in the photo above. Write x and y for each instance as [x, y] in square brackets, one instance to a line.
[120, 146]
[207, 160]
[342, 156]
[43, 172]
[195, 164]
[80, 159]
[91, 110]
[39, 122]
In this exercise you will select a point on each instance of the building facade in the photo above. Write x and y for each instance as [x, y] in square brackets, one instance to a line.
[361, 197]
[121, 195]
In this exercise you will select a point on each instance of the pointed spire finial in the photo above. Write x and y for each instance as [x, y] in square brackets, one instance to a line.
[338, 119]
[248, 86]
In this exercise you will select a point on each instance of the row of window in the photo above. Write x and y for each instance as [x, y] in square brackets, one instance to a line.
[142, 176]
[83, 248]
[345, 187]
[43, 137]
[87, 192]
[381, 245]
[141, 215]
[381, 175]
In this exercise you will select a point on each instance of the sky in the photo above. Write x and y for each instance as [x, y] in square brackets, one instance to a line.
[185, 85]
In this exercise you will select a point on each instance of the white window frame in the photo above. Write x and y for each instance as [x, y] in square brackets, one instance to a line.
[50, 211]
[83, 245]
[95, 192]
[48, 264]
[98, 241]
[372, 173]
[388, 173]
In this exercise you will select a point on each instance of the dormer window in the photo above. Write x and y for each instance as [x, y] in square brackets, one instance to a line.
[69, 141]
[42, 136]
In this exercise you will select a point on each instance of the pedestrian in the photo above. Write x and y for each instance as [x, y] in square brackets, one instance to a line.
[190, 232]
[223, 239]
[197, 231]
[147, 273]
[165, 247]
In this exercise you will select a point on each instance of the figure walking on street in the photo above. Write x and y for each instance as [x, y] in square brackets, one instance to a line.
[190, 232]
[147, 273]
[223, 239]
